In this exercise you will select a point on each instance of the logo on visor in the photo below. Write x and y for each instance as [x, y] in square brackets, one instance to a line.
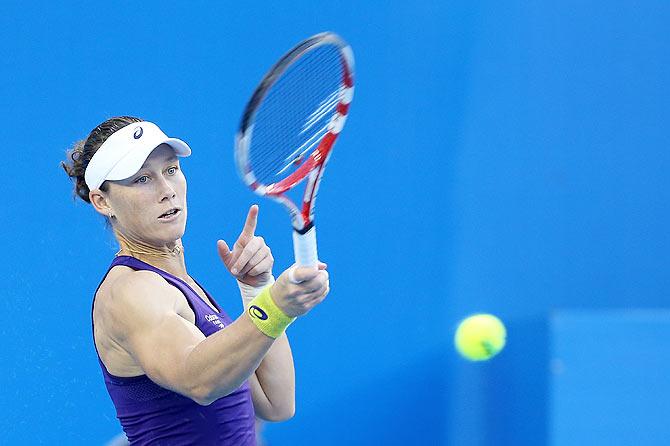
[138, 133]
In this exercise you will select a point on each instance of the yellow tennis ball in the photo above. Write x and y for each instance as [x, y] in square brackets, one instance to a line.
[480, 337]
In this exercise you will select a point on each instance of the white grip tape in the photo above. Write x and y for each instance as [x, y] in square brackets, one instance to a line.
[304, 248]
[291, 276]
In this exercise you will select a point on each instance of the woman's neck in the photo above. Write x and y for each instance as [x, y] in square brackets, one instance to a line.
[169, 257]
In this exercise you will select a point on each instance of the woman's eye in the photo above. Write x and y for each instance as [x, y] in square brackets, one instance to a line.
[139, 180]
[172, 170]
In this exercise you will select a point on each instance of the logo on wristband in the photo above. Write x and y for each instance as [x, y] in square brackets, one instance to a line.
[257, 312]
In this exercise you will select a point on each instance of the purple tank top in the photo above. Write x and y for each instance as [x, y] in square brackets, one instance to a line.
[153, 415]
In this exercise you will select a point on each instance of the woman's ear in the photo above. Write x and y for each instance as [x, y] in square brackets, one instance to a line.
[100, 202]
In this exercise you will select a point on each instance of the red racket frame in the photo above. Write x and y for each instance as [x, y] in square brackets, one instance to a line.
[313, 167]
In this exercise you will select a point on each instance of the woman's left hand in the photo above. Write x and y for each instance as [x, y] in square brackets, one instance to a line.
[251, 260]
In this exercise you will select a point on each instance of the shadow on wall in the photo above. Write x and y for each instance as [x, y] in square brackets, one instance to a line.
[516, 382]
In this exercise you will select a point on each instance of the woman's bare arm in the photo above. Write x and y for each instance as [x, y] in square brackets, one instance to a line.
[142, 317]
[171, 350]
[273, 384]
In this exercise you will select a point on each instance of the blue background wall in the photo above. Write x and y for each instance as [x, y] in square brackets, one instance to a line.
[520, 164]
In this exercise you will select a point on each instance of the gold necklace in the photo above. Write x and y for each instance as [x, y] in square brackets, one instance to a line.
[147, 250]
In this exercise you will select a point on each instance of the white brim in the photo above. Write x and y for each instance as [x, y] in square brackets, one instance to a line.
[133, 161]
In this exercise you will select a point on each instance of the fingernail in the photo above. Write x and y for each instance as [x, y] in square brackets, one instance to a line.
[234, 270]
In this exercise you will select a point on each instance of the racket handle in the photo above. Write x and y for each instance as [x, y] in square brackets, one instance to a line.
[304, 248]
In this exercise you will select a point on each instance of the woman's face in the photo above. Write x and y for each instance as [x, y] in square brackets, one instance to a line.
[138, 201]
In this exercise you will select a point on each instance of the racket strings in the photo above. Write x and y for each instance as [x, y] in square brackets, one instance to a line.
[294, 115]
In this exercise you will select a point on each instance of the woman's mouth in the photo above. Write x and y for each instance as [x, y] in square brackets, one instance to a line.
[170, 215]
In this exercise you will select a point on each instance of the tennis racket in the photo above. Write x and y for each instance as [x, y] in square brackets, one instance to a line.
[289, 127]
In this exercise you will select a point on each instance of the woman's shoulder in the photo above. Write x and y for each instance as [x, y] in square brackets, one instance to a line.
[121, 305]
[127, 277]
[123, 284]
[133, 299]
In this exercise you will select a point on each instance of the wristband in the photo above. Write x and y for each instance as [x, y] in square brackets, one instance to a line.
[267, 316]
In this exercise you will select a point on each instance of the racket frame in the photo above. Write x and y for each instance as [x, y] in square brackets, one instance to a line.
[312, 168]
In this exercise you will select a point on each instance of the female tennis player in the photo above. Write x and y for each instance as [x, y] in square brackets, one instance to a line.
[178, 369]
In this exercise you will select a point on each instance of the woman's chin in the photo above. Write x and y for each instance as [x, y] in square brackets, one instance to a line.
[169, 235]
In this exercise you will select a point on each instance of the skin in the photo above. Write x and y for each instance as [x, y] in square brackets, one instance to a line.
[143, 325]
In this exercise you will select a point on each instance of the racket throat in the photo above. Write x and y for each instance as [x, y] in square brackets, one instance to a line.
[305, 229]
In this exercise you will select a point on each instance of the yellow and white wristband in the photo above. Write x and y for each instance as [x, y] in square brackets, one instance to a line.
[266, 315]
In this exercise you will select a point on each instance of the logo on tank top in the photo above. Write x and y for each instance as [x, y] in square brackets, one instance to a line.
[214, 319]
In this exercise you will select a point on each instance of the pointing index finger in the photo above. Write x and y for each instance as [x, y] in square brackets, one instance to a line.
[252, 220]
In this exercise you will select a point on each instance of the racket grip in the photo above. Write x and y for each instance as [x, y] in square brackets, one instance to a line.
[304, 248]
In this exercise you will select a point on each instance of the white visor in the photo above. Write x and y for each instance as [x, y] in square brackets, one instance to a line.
[123, 154]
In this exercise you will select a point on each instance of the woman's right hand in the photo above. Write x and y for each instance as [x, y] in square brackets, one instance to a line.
[296, 299]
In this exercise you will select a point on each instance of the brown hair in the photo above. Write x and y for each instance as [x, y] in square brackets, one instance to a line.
[80, 154]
